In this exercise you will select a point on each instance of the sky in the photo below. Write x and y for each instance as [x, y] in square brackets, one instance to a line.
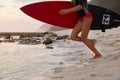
[12, 19]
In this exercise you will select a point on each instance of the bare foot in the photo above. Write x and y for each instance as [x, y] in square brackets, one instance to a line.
[96, 57]
[94, 41]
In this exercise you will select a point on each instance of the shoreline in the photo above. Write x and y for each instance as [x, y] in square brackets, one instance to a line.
[67, 60]
[105, 68]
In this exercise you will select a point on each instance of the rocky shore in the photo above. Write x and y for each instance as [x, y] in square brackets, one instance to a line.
[31, 38]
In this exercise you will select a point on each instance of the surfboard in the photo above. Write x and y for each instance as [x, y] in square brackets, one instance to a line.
[48, 12]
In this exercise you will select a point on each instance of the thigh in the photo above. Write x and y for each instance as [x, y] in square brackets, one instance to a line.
[77, 29]
[86, 27]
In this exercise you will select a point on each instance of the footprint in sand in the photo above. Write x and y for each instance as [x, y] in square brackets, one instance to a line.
[5, 79]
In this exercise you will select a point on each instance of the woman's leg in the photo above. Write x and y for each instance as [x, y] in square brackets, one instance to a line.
[77, 29]
[89, 43]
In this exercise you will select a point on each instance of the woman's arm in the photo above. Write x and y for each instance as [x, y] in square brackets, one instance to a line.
[70, 10]
[75, 9]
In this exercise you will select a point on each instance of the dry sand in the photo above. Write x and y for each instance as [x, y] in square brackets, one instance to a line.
[105, 68]
[69, 60]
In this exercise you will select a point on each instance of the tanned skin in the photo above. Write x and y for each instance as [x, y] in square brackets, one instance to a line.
[84, 28]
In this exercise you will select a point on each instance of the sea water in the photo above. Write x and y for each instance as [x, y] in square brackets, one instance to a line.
[30, 62]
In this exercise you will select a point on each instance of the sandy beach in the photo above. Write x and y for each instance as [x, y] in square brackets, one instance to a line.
[63, 59]
[68, 60]
[106, 68]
